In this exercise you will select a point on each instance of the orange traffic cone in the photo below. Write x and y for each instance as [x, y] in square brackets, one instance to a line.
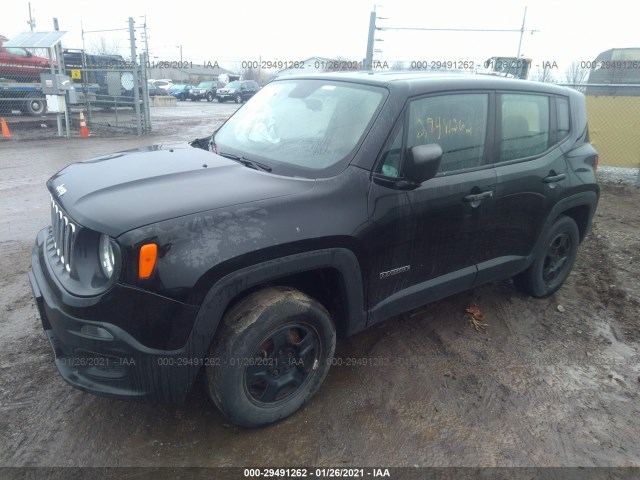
[5, 129]
[84, 131]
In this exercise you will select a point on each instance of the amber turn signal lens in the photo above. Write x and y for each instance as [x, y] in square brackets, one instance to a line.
[148, 256]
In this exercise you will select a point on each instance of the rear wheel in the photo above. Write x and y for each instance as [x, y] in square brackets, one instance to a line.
[35, 106]
[271, 355]
[553, 262]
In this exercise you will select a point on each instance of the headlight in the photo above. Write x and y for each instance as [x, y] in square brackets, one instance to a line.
[106, 255]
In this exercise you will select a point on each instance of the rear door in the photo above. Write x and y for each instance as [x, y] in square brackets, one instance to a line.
[531, 176]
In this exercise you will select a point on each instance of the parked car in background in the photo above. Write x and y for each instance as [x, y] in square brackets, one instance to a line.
[206, 90]
[154, 91]
[162, 84]
[181, 91]
[238, 91]
[21, 65]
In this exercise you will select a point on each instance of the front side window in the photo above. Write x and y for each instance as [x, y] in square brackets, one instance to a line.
[525, 125]
[455, 122]
[301, 125]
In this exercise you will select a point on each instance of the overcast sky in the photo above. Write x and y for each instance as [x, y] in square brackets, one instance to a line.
[289, 30]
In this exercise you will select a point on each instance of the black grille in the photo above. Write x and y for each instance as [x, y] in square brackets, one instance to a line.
[64, 234]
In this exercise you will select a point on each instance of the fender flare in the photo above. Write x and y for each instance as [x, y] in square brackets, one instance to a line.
[589, 199]
[233, 284]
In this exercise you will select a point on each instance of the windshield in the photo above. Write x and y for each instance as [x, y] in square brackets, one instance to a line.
[176, 88]
[205, 84]
[235, 85]
[309, 125]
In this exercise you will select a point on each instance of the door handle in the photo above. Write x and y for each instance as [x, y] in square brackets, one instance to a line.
[554, 178]
[478, 197]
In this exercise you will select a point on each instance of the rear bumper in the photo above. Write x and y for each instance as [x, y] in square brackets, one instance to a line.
[100, 357]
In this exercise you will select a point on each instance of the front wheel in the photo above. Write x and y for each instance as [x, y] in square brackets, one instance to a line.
[209, 97]
[554, 261]
[271, 356]
[238, 98]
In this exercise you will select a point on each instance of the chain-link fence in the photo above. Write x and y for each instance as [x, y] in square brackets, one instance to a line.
[614, 122]
[22, 103]
[105, 86]
[39, 86]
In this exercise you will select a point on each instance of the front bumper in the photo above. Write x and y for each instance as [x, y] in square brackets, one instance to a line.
[102, 358]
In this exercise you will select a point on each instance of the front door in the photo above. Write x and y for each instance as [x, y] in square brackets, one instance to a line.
[448, 212]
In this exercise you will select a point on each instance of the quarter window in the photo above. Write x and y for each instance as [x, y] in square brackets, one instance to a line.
[455, 122]
[525, 125]
[562, 106]
[392, 155]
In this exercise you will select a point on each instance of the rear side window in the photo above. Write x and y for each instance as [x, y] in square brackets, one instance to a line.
[525, 125]
[455, 122]
[562, 107]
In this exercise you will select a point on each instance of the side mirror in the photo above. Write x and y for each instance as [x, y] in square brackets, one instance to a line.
[422, 163]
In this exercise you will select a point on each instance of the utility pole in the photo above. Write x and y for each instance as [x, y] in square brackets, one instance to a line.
[522, 31]
[136, 83]
[368, 60]
[32, 21]
[146, 38]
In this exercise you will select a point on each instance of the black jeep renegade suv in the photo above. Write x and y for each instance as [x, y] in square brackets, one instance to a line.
[324, 205]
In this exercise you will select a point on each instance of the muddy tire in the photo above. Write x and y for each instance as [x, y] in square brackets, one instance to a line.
[553, 262]
[272, 354]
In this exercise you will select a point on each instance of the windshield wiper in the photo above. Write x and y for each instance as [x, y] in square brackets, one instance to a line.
[246, 162]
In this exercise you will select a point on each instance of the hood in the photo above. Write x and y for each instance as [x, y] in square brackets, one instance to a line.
[119, 192]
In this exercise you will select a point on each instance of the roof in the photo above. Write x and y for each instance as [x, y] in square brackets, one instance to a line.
[36, 39]
[434, 80]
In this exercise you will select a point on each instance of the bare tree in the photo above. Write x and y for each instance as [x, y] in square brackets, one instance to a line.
[576, 74]
[251, 74]
[398, 66]
[543, 74]
[103, 47]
